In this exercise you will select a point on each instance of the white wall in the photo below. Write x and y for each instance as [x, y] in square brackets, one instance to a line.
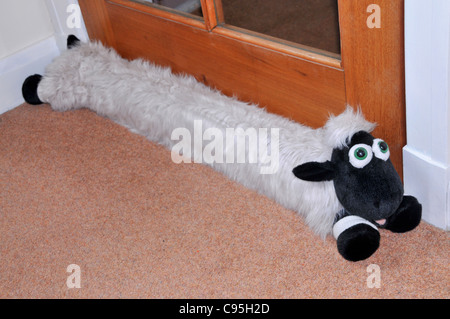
[32, 33]
[22, 23]
[427, 153]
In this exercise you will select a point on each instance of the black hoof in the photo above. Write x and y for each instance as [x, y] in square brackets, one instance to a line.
[72, 41]
[407, 217]
[29, 89]
[358, 242]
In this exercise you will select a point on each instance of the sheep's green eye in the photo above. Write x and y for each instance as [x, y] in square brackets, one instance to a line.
[360, 155]
[384, 148]
[381, 149]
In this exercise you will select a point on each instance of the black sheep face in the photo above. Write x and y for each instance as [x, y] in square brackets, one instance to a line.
[366, 183]
[364, 178]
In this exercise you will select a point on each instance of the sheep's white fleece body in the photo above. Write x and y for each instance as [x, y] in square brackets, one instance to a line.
[152, 101]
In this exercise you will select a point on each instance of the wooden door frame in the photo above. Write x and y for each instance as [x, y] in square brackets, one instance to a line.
[370, 73]
[374, 68]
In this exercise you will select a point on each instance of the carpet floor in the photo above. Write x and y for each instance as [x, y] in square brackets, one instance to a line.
[76, 188]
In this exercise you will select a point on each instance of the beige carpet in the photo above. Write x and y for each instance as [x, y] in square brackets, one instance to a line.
[76, 188]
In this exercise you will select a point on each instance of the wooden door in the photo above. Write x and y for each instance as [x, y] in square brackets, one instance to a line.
[287, 79]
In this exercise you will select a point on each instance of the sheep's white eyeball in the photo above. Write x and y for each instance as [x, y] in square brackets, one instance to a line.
[381, 149]
[360, 155]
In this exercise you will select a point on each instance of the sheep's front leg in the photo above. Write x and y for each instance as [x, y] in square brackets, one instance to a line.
[407, 217]
[357, 238]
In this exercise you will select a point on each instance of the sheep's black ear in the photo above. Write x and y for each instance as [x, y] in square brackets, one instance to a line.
[72, 41]
[315, 171]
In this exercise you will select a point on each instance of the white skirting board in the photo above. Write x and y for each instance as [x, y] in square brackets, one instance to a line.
[16, 68]
[429, 181]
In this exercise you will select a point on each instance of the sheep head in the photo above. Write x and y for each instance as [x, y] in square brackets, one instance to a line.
[366, 182]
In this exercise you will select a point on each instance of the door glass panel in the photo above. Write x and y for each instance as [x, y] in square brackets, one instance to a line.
[189, 7]
[311, 23]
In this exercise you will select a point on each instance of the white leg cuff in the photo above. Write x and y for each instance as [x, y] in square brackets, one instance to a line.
[348, 222]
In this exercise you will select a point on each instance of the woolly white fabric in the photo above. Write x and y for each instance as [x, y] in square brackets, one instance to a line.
[153, 102]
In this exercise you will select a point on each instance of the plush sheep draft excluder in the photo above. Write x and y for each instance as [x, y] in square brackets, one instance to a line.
[152, 101]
